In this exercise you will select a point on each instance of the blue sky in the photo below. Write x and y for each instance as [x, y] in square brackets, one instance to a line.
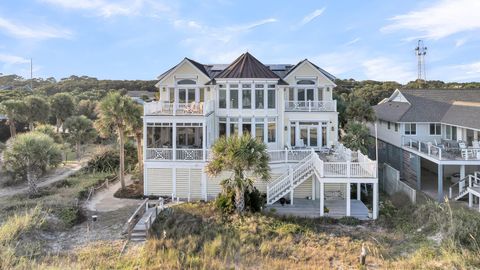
[139, 39]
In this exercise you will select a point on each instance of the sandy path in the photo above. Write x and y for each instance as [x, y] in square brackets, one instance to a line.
[104, 201]
[58, 175]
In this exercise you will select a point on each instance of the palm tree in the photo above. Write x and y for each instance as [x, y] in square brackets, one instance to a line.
[357, 137]
[115, 112]
[16, 111]
[135, 127]
[239, 154]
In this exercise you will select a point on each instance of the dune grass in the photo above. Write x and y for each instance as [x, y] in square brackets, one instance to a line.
[197, 236]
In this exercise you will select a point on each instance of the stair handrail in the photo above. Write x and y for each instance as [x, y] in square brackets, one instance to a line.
[285, 177]
[472, 180]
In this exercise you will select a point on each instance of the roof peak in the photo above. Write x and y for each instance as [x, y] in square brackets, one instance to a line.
[247, 66]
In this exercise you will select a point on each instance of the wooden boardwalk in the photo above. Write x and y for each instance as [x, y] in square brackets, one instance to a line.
[311, 208]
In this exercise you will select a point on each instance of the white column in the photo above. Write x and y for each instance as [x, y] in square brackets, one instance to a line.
[204, 140]
[475, 135]
[359, 189]
[291, 183]
[174, 141]
[348, 195]
[470, 199]
[375, 201]
[297, 133]
[289, 132]
[322, 198]
[314, 179]
[145, 180]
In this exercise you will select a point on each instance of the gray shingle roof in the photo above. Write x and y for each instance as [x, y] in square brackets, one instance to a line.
[451, 106]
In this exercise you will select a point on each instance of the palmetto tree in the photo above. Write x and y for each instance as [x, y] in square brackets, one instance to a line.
[115, 113]
[135, 128]
[239, 155]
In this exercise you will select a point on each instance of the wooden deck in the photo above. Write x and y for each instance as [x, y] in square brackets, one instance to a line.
[311, 208]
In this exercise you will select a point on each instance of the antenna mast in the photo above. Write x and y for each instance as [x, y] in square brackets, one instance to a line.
[421, 51]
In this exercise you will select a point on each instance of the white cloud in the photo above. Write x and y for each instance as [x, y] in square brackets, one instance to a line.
[12, 59]
[107, 8]
[353, 41]
[33, 32]
[386, 69]
[460, 42]
[442, 19]
[308, 18]
[217, 44]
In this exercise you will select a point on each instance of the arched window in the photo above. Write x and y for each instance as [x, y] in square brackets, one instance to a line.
[308, 82]
[186, 81]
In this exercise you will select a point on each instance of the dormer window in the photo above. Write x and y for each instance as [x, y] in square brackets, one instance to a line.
[306, 82]
[186, 81]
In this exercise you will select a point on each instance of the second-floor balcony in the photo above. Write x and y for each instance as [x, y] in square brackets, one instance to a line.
[444, 150]
[177, 108]
[311, 106]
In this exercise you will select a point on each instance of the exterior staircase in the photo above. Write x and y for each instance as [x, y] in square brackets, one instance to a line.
[292, 178]
[139, 224]
[460, 189]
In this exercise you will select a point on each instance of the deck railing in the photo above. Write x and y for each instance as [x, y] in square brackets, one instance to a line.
[460, 188]
[441, 152]
[178, 108]
[311, 106]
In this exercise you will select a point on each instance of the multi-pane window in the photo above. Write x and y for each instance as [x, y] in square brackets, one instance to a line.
[222, 97]
[396, 127]
[222, 127]
[233, 96]
[259, 99]
[410, 129]
[272, 131]
[233, 125]
[259, 126]
[271, 98]
[246, 96]
[435, 129]
[451, 132]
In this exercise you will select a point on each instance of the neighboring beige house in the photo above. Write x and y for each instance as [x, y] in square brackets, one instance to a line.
[288, 107]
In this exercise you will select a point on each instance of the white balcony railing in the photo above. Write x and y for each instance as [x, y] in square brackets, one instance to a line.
[311, 106]
[174, 108]
[440, 151]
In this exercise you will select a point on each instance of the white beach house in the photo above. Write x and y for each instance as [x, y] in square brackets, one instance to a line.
[288, 107]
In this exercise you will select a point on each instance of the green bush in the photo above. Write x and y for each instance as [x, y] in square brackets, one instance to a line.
[70, 216]
[109, 160]
[225, 202]
[254, 201]
[350, 221]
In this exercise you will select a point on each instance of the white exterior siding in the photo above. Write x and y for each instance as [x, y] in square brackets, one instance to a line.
[159, 181]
